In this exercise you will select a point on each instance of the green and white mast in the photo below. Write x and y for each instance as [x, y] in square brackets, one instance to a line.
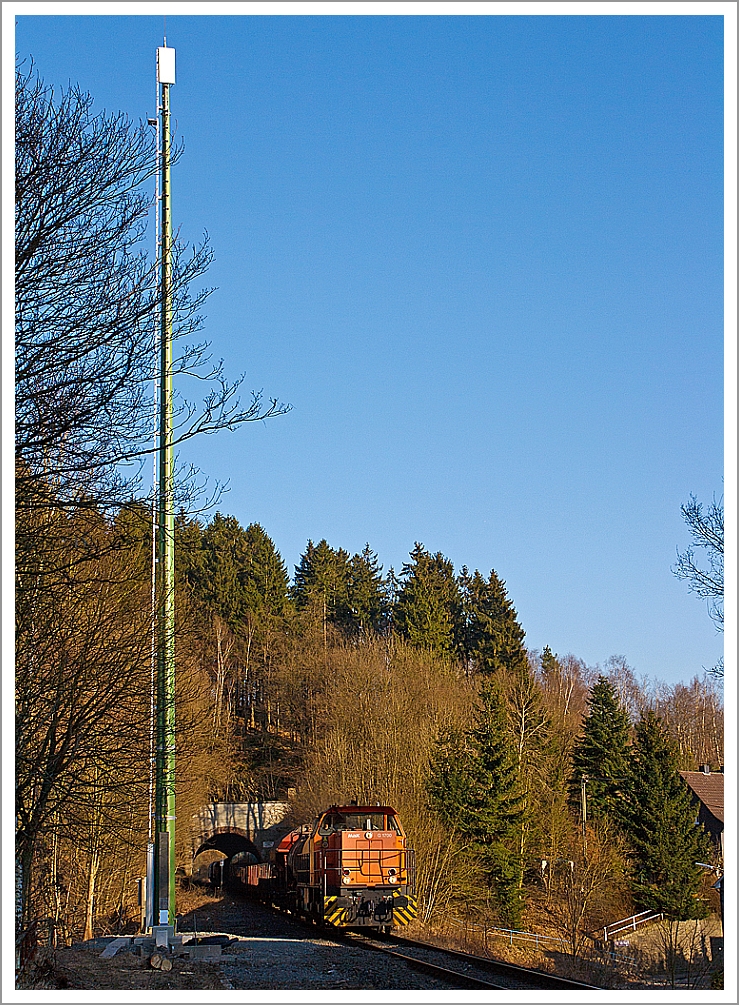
[164, 808]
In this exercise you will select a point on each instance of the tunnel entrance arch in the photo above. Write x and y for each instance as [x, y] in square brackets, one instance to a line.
[234, 845]
[243, 833]
[230, 841]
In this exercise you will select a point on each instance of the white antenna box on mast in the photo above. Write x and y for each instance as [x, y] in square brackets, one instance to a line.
[165, 65]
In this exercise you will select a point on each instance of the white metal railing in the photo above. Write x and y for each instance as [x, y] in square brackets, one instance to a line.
[630, 924]
[528, 938]
[617, 956]
[511, 935]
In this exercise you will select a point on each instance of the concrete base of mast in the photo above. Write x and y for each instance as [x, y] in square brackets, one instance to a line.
[163, 938]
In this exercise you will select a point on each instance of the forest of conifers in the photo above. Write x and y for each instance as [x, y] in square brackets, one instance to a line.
[345, 681]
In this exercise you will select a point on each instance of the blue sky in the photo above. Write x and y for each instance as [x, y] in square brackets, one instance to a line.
[482, 257]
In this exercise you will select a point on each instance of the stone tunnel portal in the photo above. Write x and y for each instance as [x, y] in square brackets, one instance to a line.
[232, 844]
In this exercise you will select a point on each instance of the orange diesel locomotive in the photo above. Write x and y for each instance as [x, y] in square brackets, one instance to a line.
[350, 868]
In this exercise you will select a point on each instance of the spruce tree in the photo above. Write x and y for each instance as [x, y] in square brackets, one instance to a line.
[550, 666]
[491, 637]
[428, 610]
[601, 753]
[660, 823]
[367, 597]
[322, 582]
[189, 558]
[237, 573]
[222, 584]
[264, 576]
[474, 788]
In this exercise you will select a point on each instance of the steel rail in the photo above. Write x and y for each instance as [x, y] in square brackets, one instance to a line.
[453, 977]
[544, 980]
[534, 979]
[362, 941]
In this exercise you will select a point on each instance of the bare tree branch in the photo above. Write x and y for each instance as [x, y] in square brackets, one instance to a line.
[707, 532]
[87, 303]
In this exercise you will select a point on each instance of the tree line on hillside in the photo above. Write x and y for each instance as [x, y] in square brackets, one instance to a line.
[344, 683]
[240, 576]
[340, 682]
[529, 708]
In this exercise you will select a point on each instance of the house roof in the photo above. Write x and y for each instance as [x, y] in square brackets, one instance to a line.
[709, 789]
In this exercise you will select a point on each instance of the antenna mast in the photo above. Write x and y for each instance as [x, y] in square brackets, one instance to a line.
[164, 811]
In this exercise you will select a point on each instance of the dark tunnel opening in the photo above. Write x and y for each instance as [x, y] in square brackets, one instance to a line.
[234, 849]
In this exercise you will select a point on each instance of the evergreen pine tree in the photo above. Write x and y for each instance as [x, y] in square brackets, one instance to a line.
[491, 637]
[660, 823]
[550, 667]
[264, 576]
[392, 592]
[322, 582]
[221, 581]
[189, 558]
[367, 599]
[554, 766]
[601, 753]
[557, 691]
[427, 611]
[131, 528]
[237, 573]
[473, 786]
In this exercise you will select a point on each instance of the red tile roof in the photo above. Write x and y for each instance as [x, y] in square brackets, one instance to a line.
[709, 789]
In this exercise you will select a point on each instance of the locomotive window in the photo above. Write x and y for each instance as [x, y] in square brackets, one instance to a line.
[357, 822]
[329, 825]
[368, 822]
[333, 822]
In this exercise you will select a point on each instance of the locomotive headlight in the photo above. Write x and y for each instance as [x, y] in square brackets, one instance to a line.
[346, 876]
[392, 879]
[392, 872]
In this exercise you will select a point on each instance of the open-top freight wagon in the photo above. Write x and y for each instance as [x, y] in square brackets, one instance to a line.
[350, 868]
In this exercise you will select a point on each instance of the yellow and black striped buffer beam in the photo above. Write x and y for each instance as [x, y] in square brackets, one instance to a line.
[333, 914]
[405, 908]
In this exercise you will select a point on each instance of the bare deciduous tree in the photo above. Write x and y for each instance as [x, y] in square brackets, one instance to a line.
[87, 301]
[584, 889]
[707, 532]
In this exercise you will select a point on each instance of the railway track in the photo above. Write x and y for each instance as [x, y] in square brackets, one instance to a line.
[456, 978]
[464, 970]
[452, 967]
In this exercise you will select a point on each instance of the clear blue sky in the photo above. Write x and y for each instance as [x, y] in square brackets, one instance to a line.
[482, 258]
